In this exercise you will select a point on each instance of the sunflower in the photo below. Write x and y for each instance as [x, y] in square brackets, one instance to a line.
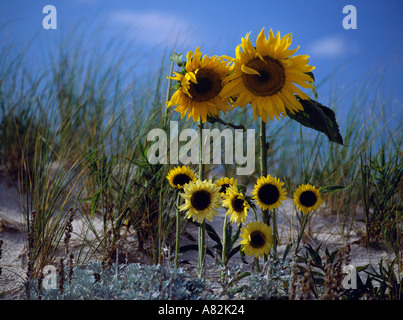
[224, 183]
[265, 76]
[200, 85]
[179, 177]
[268, 192]
[257, 239]
[236, 204]
[307, 198]
[202, 198]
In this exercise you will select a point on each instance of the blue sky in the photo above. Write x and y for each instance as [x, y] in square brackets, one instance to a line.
[373, 50]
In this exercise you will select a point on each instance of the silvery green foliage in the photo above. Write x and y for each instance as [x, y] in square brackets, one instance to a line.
[128, 282]
[271, 283]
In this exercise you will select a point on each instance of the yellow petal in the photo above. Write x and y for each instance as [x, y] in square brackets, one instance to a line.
[248, 70]
[192, 77]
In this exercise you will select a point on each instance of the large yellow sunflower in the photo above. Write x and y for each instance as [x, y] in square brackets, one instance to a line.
[202, 198]
[236, 204]
[179, 177]
[265, 76]
[224, 183]
[200, 85]
[269, 192]
[307, 198]
[257, 239]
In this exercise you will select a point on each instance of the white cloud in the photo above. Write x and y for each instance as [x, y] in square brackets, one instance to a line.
[332, 46]
[153, 27]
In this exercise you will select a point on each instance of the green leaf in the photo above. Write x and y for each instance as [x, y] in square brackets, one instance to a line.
[177, 58]
[242, 188]
[235, 236]
[329, 189]
[318, 117]
[287, 249]
[234, 251]
[212, 119]
[242, 254]
[210, 232]
[213, 234]
[361, 268]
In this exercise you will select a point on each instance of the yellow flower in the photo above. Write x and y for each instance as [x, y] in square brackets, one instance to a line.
[257, 239]
[202, 198]
[268, 192]
[236, 204]
[224, 183]
[307, 198]
[265, 76]
[199, 93]
[178, 177]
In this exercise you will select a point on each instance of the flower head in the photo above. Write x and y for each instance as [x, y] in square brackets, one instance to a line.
[200, 85]
[257, 239]
[307, 198]
[236, 204]
[224, 183]
[202, 198]
[268, 192]
[265, 76]
[178, 177]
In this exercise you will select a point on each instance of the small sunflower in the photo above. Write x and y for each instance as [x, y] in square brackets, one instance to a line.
[257, 239]
[200, 85]
[236, 204]
[307, 198]
[202, 198]
[265, 76]
[224, 183]
[179, 177]
[268, 192]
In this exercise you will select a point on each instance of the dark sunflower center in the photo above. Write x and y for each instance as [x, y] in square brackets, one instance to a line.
[200, 200]
[208, 85]
[308, 198]
[224, 188]
[270, 80]
[238, 204]
[181, 179]
[257, 239]
[268, 194]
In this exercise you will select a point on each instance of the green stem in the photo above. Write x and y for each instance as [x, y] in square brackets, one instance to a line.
[201, 165]
[257, 265]
[275, 235]
[178, 227]
[224, 250]
[224, 242]
[254, 212]
[303, 219]
[202, 226]
[263, 148]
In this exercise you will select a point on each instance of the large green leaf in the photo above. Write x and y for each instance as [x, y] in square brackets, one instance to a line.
[318, 117]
